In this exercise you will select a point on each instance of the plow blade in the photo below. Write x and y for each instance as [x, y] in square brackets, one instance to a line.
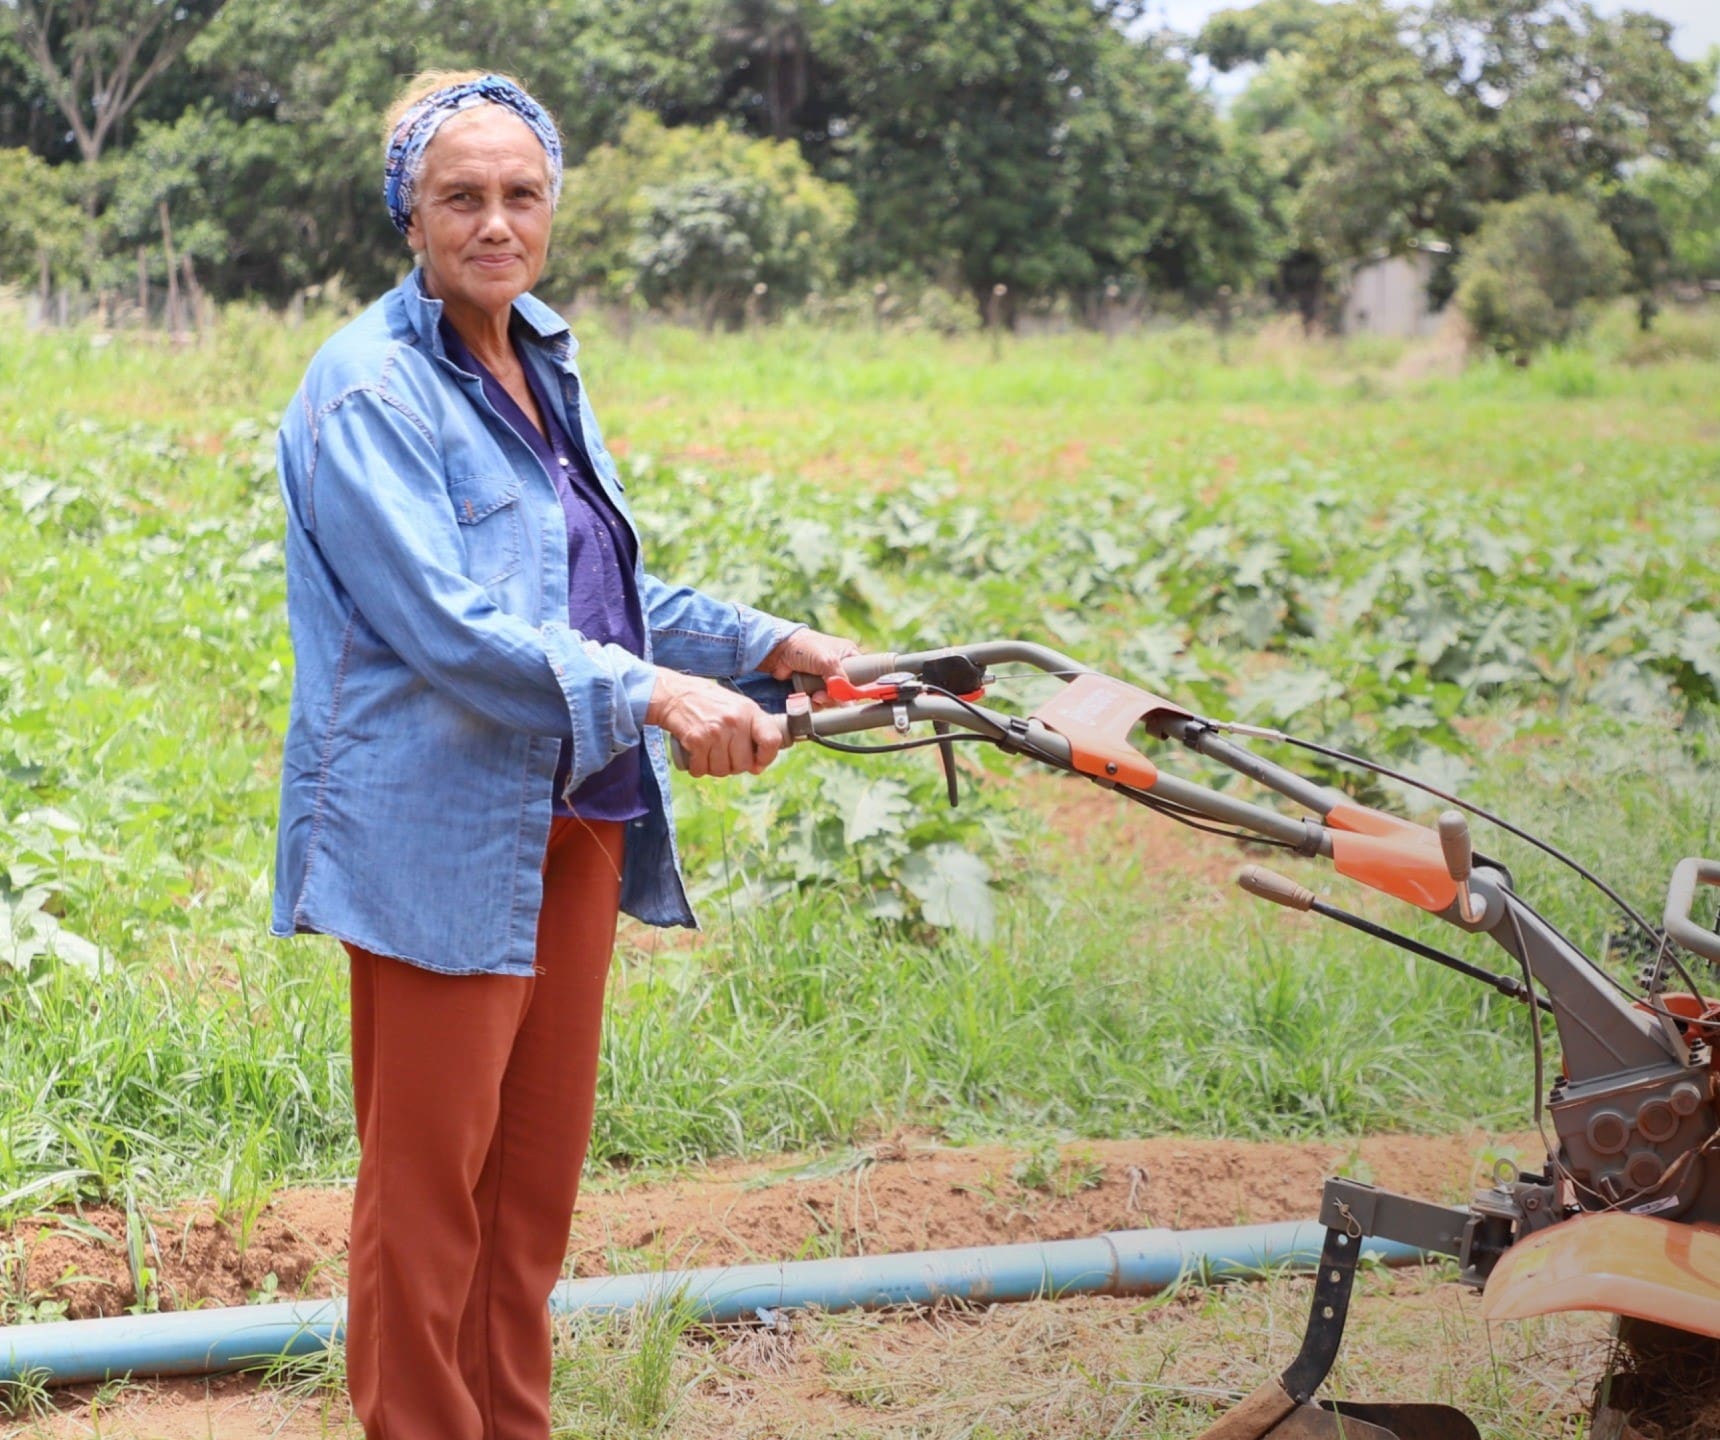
[1619, 1264]
[1270, 1414]
[1354, 1420]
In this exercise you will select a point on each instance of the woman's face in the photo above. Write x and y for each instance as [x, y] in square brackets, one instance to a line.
[481, 222]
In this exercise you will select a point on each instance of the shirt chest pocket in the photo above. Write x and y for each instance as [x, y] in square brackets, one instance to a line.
[488, 509]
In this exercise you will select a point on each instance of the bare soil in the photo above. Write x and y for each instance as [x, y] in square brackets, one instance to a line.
[904, 1194]
[899, 1195]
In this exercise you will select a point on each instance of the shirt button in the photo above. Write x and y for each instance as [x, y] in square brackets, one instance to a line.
[565, 462]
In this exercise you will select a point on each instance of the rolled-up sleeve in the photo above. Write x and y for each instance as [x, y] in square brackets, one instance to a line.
[375, 504]
[700, 635]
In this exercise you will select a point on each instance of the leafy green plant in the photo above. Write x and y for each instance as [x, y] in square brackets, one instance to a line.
[142, 1259]
[244, 1189]
[39, 847]
[1047, 1168]
[1038, 1168]
[1529, 277]
[39, 223]
[20, 1302]
[27, 1394]
[699, 215]
[886, 834]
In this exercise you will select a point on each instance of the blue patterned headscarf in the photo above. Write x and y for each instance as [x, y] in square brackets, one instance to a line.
[418, 127]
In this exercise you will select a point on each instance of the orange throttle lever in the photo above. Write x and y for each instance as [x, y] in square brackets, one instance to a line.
[845, 692]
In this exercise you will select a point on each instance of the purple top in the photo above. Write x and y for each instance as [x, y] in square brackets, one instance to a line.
[602, 598]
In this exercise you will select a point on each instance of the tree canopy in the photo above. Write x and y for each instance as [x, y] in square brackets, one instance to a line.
[95, 58]
[698, 215]
[1535, 267]
[1054, 148]
[1384, 126]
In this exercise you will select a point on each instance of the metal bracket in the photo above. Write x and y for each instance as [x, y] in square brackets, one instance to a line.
[1352, 1211]
[1437, 1229]
[1331, 1306]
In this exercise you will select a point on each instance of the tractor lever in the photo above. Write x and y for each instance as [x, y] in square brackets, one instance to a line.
[1266, 884]
[1459, 861]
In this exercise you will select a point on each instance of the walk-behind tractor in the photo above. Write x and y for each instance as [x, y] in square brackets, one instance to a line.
[1624, 1217]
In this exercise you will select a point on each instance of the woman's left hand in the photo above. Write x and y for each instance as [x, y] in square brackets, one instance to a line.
[809, 652]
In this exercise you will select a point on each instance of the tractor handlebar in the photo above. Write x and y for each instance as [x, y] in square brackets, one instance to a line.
[1681, 896]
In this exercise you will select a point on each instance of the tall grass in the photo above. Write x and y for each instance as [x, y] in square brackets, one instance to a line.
[804, 1025]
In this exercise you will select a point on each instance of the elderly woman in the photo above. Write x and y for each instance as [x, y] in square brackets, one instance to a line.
[474, 778]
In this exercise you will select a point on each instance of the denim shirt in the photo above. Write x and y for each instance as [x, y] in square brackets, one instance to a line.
[436, 676]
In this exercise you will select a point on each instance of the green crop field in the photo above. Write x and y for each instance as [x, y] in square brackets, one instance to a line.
[1504, 580]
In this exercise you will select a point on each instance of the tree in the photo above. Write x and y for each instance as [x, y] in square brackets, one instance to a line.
[1362, 151]
[769, 39]
[697, 214]
[202, 173]
[1251, 36]
[957, 149]
[1028, 144]
[95, 58]
[303, 86]
[1641, 233]
[707, 241]
[1533, 270]
[1383, 126]
[1561, 97]
[29, 119]
[1390, 142]
[277, 110]
[39, 224]
[1158, 198]
[1687, 200]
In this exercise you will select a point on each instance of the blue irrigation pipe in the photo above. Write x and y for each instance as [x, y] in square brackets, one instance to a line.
[1123, 1262]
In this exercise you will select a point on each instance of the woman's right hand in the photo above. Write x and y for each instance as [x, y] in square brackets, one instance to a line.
[723, 733]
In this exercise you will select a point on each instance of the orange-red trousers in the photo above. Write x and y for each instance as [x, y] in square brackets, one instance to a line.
[474, 1096]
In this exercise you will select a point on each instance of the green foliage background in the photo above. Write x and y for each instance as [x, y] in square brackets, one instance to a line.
[1060, 149]
[1535, 270]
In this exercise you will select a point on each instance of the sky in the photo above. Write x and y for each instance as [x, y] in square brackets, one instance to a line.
[1698, 21]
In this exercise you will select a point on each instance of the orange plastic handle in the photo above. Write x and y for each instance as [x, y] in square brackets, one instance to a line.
[1391, 855]
[1095, 714]
[845, 692]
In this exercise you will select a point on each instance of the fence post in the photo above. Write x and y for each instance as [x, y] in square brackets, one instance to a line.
[47, 283]
[175, 319]
[143, 287]
[195, 293]
[994, 317]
